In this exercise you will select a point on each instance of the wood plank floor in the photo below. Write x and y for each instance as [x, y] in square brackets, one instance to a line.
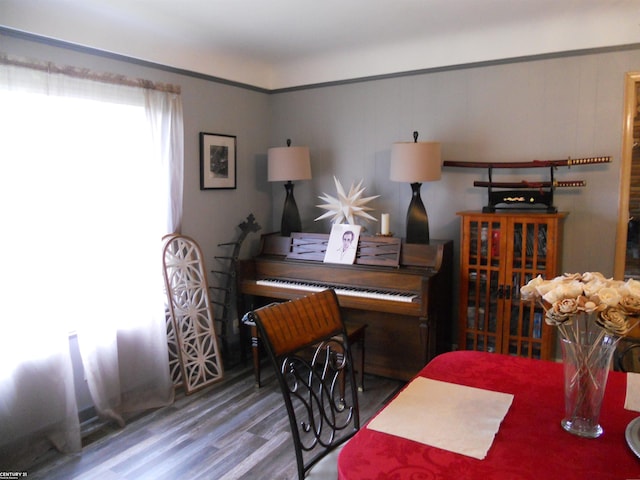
[231, 430]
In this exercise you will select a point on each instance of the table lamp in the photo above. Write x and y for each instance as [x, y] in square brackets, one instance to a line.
[287, 164]
[416, 162]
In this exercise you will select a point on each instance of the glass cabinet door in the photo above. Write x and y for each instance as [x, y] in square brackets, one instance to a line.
[523, 328]
[482, 276]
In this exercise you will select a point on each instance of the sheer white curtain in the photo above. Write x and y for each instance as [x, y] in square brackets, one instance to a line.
[90, 181]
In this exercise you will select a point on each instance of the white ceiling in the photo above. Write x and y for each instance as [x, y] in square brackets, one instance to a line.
[275, 44]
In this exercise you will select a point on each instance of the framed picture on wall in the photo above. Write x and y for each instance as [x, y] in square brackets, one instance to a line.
[217, 161]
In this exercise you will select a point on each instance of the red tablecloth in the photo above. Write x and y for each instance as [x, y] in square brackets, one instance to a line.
[530, 444]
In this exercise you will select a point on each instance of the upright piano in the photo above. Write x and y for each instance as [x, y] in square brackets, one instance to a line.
[401, 291]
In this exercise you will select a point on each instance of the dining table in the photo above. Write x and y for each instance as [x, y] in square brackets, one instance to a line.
[528, 443]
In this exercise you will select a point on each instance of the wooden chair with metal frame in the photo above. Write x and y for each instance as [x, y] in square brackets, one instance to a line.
[307, 344]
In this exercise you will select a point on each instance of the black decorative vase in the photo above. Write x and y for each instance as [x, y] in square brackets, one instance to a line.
[417, 221]
[290, 216]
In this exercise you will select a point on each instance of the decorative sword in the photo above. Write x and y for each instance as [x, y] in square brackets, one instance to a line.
[526, 184]
[568, 162]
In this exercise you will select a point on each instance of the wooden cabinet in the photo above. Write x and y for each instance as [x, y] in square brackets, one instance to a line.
[499, 253]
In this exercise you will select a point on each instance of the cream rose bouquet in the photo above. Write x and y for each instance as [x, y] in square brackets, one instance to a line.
[615, 304]
[592, 313]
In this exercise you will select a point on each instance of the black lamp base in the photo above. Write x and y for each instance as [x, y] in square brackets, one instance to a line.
[290, 216]
[417, 221]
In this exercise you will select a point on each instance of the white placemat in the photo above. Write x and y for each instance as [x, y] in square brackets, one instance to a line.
[632, 399]
[445, 415]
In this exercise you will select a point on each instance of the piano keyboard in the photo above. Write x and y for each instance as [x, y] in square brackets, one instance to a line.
[346, 291]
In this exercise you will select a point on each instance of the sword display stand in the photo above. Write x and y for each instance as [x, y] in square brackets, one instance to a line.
[529, 195]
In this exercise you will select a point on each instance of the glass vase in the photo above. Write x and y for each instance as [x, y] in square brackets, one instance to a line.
[586, 354]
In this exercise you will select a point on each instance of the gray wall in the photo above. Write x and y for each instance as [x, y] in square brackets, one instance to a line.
[545, 109]
[539, 109]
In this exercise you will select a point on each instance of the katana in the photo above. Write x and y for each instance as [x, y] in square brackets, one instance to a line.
[567, 162]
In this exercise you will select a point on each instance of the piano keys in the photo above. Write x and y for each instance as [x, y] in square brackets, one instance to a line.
[341, 291]
[401, 291]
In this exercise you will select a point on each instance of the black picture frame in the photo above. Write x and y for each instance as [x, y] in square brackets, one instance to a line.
[217, 161]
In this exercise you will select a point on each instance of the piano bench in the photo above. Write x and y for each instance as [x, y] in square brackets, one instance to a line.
[355, 334]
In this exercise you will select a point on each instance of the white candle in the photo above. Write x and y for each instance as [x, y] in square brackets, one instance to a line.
[384, 224]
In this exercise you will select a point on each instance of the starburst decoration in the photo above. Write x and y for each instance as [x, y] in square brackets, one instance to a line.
[346, 208]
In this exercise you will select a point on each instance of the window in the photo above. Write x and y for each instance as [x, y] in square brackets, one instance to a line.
[90, 181]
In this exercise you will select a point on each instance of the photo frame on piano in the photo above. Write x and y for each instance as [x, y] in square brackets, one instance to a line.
[343, 244]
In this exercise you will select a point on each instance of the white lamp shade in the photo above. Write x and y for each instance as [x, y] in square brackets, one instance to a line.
[415, 162]
[288, 163]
